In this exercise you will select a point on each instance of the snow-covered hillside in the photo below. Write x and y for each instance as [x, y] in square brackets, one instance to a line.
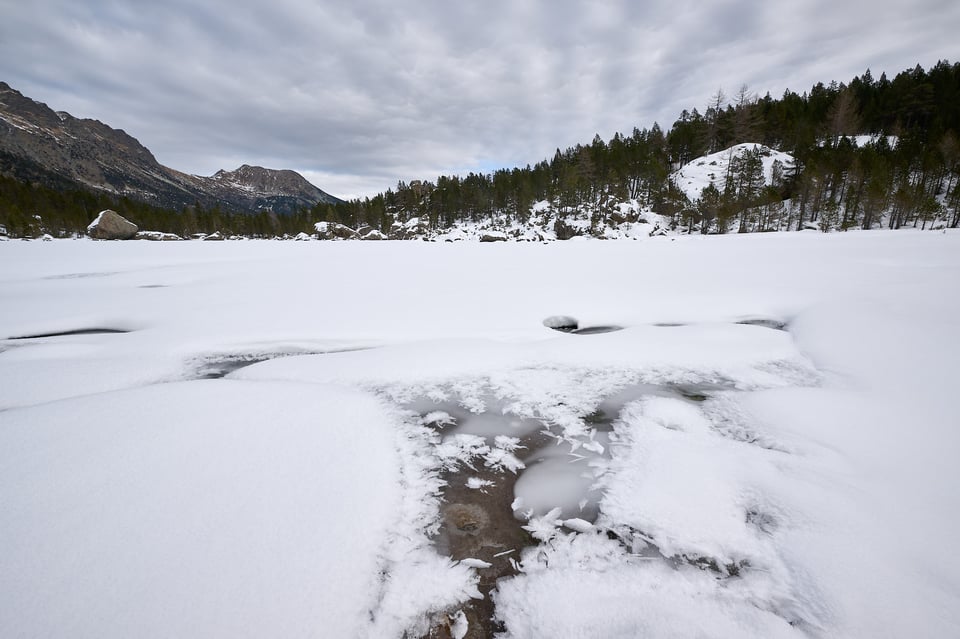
[741, 436]
[693, 177]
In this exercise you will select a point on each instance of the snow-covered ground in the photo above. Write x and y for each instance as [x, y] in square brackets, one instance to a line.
[695, 176]
[231, 439]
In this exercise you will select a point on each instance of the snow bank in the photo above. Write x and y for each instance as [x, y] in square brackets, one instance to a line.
[217, 509]
[630, 599]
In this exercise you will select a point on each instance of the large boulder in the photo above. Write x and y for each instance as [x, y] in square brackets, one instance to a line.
[334, 230]
[110, 225]
[564, 231]
[493, 236]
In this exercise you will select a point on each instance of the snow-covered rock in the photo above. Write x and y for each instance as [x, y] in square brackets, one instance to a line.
[493, 236]
[157, 236]
[334, 230]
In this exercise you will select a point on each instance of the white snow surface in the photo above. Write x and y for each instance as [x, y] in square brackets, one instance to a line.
[693, 177]
[195, 509]
[753, 482]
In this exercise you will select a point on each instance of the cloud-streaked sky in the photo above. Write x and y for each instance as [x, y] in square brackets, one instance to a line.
[357, 95]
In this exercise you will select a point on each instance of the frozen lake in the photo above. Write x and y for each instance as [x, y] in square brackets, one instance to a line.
[352, 439]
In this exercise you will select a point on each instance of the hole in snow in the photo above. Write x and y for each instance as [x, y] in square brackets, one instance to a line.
[73, 276]
[77, 331]
[765, 322]
[593, 330]
[223, 366]
[219, 366]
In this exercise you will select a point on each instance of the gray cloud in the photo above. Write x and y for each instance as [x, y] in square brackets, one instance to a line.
[358, 95]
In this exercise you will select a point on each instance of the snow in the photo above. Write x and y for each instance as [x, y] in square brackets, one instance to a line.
[692, 178]
[194, 509]
[718, 479]
[96, 222]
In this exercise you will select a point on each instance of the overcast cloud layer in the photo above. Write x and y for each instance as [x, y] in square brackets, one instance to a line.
[357, 95]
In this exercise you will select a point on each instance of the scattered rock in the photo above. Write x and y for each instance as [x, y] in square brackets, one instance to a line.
[157, 236]
[411, 229]
[303, 237]
[616, 218]
[334, 230]
[493, 236]
[373, 234]
[213, 237]
[110, 225]
[564, 231]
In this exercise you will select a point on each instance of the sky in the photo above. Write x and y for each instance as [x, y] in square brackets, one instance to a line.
[357, 95]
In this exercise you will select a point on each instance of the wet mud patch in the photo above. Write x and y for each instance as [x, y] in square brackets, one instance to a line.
[483, 455]
[478, 528]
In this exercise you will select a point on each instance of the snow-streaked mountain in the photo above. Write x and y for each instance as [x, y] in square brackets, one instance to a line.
[693, 177]
[40, 144]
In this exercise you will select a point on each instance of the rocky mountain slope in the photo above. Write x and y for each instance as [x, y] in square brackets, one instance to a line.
[55, 148]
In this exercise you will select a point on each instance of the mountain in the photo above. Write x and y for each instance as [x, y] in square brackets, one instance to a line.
[56, 149]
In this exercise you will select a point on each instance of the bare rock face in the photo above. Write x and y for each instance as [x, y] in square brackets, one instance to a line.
[110, 225]
[54, 148]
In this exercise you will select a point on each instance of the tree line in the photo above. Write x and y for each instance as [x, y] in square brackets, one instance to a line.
[906, 174]
[32, 209]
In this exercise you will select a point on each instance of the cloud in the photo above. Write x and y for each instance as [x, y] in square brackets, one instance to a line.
[362, 94]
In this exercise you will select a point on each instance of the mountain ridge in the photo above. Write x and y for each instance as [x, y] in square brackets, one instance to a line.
[56, 148]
